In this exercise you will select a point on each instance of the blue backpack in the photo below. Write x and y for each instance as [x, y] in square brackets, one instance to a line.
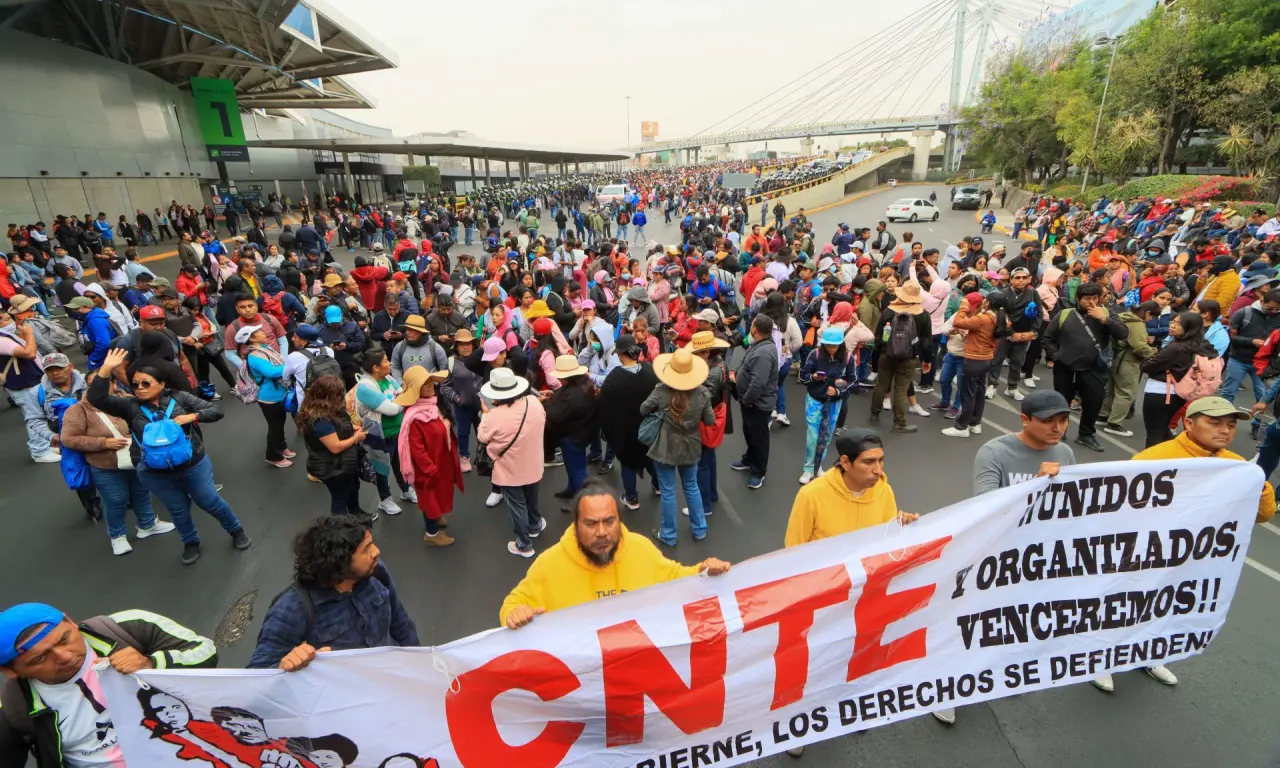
[164, 445]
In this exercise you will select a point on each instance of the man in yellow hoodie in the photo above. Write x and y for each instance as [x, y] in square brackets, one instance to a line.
[596, 557]
[852, 495]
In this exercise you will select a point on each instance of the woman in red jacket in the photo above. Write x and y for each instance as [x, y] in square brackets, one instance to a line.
[428, 452]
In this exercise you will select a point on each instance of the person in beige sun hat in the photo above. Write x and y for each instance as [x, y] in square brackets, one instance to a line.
[428, 451]
[704, 340]
[905, 340]
[908, 298]
[572, 422]
[682, 403]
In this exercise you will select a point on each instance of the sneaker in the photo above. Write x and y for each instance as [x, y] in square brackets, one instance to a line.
[1029, 383]
[217, 487]
[288, 454]
[464, 464]
[630, 502]
[1035, 378]
[606, 467]
[657, 538]
[47, 458]
[241, 540]
[157, 528]
[888, 404]
[840, 431]
[216, 397]
[282, 464]
[755, 483]
[738, 466]
[493, 500]
[991, 392]
[782, 419]
[1015, 394]
[796, 752]
[190, 552]
[951, 413]
[937, 406]
[956, 432]
[976, 429]
[773, 415]
[806, 477]
[657, 491]
[441, 539]
[906, 429]
[595, 457]
[120, 546]
[872, 377]
[1161, 673]
[1090, 442]
[684, 511]
[1104, 683]
[410, 495]
[389, 507]
[947, 715]
[924, 390]
[515, 550]
[555, 461]
[919, 410]
[565, 494]
[542, 526]
[1117, 430]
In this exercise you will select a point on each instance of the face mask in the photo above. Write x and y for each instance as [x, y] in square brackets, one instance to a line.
[1154, 254]
[595, 345]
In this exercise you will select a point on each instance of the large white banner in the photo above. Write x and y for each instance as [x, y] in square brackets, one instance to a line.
[1105, 568]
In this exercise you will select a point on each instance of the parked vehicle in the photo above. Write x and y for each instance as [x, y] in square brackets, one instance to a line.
[911, 209]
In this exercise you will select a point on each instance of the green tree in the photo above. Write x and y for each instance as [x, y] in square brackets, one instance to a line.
[428, 173]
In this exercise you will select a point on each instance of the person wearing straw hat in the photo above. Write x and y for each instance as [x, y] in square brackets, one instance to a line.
[571, 421]
[428, 452]
[828, 373]
[682, 403]
[512, 429]
[905, 341]
[710, 347]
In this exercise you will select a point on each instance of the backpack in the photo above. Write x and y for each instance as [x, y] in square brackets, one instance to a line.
[51, 334]
[246, 388]
[319, 365]
[274, 305]
[900, 337]
[164, 445]
[309, 605]
[1202, 379]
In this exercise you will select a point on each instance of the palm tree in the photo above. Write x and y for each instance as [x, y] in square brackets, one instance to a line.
[1236, 145]
[1132, 138]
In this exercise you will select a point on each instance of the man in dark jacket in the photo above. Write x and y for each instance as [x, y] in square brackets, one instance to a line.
[756, 385]
[342, 598]
[257, 235]
[1022, 307]
[51, 705]
[387, 326]
[1075, 341]
[1250, 327]
[444, 322]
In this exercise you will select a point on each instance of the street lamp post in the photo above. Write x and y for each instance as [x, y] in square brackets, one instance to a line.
[628, 124]
[1097, 126]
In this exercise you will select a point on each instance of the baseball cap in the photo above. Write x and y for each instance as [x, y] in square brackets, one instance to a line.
[18, 619]
[161, 282]
[242, 335]
[79, 302]
[493, 346]
[708, 316]
[307, 332]
[332, 314]
[1215, 406]
[151, 312]
[832, 335]
[55, 360]
[1045, 404]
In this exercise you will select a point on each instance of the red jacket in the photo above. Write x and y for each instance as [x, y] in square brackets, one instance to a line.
[436, 467]
[747, 287]
[6, 285]
[192, 286]
[373, 285]
[1150, 286]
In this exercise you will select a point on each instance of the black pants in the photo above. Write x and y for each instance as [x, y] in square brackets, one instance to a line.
[1090, 386]
[1015, 353]
[1156, 414]
[201, 362]
[755, 430]
[344, 494]
[1033, 357]
[973, 397]
[275, 416]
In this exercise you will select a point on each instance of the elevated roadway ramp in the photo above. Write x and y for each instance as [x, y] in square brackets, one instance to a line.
[834, 188]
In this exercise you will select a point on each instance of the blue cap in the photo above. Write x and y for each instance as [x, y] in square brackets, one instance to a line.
[332, 314]
[308, 332]
[832, 335]
[20, 618]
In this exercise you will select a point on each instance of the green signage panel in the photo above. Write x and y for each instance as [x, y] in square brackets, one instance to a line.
[219, 114]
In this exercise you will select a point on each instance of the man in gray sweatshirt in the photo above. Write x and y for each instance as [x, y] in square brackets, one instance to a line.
[756, 382]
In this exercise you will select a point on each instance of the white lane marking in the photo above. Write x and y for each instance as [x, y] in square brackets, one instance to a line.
[1264, 570]
[1271, 528]
[727, 507]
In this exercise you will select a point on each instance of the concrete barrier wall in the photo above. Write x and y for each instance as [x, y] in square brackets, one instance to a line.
[855, 178]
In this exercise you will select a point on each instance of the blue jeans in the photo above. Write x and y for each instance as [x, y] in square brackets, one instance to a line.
[465, 419]
[575, 464]
[1236, 373]
[1269, 449]
[595, 448]
[471, 232]
[38, 434]
[951, 367]
[783, 370]
[121, 489]
[629, 481]
[707, 483]
[692, 496]
[526, 517]
[383, 482]
[1017, 227]
[179, 488]
[622, 232]
[820, 426]
[640, 235]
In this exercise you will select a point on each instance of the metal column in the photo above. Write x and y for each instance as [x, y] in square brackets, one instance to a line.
[411, 158]
[508, 171]
[576, 167]
[473, 173]
[346, 172]
[487, 180]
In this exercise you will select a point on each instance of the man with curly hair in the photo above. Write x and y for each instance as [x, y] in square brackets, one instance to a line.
[342, 598]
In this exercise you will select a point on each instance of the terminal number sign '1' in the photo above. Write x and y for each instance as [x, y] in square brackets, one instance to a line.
[218, 112]
[1105, 568]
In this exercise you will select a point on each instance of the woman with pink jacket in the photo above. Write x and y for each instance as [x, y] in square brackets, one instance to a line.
[512, 430]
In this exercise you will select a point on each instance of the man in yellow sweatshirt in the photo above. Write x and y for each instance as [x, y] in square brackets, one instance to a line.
[596, 557]
[852, 495]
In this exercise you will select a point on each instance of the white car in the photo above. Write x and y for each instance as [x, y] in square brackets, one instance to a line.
[911, 209]
[612, 193]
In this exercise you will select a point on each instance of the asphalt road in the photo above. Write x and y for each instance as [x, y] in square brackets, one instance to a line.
[1215, 716]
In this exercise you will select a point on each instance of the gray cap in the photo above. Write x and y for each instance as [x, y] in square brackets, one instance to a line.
[1045, 404]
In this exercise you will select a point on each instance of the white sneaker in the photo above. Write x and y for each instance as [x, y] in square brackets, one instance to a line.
[513, 549]
[919, 410]
[924, 390]
[806, 477]
[991, 392]
[1035, 378]
[47, 458]
[888, 404]
[684, 511]
[872, 376]
[1117, 431]
[493, 500]
[389, 507]
[976, 429]
[410, 495]
[782, 419]
[1161, 673]
[157, 528]
[1104, 683]
[1029, 383]
[947, 715]
[955, 432]
[1015, 394]
[120, 546]
[773, 415]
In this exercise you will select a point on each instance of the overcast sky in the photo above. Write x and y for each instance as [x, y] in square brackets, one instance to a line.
[557, 71]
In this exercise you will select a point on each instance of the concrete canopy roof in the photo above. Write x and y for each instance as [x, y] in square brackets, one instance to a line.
[446, 145]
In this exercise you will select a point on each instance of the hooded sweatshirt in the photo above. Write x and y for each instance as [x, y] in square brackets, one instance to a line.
[1048, 289]
[562, 576]
[826, 508]
[373, 286]
[1183, 447]
[647, 310]
[599, 363]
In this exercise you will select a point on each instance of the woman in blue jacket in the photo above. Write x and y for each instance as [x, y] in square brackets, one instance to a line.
[828, 374]
[266, 366]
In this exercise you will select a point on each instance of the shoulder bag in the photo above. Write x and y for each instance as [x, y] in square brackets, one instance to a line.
[484, 463]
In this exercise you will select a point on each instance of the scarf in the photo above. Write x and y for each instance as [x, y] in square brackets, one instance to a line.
[424, 410]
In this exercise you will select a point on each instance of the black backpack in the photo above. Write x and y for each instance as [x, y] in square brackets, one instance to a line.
[319, 365]
[901, 337]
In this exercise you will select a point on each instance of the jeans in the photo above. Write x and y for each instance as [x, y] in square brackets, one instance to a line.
[522, 501]
[470, 233]
[119, 490]
[1015, 353]
[951, 366]
[755, 431]
[1233, 378]
[465, 419]
[820, 425]
[622, 232]
[575, 464]
[393, 457]
[178, 488]
[1017, 227]
[33, 419]
[629, 481]
[707, 483]
[640, 236]
[783, 369]
[601, 448]
[974, 399]
[344, 494]
[1269, 449]
[275, 416]
[692, 496]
